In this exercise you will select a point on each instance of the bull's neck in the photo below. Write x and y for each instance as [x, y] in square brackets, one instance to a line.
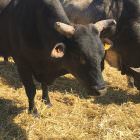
[113, 8]
[55, 9]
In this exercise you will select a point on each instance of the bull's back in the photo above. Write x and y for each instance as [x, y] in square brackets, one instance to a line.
[84, 11]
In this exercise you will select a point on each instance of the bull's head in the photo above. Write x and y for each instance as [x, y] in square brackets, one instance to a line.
[84, 52]
[69, 30]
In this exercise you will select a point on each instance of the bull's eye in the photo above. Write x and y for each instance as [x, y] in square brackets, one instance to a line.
[82, 60]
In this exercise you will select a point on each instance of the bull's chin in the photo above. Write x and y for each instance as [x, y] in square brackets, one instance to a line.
[101, 92]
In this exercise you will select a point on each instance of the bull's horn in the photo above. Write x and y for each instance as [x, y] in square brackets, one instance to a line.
[64, 29]
[135, 69]
[103, 24]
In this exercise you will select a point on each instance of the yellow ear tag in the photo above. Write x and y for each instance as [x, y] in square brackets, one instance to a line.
[107, 46]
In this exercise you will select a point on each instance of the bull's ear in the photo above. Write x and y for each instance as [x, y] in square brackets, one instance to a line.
[58, 50]
[65, 29]
[103, 24]
[113, 58]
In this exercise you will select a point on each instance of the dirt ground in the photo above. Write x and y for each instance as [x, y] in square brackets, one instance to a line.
[74, 116]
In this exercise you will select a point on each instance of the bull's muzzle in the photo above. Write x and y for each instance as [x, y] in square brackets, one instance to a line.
[98, 90]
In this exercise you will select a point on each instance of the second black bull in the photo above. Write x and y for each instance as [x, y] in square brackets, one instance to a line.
[125, 54]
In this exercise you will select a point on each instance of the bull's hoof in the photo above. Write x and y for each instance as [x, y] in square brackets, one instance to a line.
[49, 105]
[34, 113]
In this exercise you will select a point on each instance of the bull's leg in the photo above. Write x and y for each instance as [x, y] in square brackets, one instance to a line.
[45, 96]
[27, 80]
[30, 91]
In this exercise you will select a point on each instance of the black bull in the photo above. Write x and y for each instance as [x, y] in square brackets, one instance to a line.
[125, 54]
[44, 44]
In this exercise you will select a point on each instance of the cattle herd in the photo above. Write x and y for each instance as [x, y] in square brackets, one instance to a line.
[50, 38]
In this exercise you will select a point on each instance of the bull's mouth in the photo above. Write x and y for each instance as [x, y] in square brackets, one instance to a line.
[95, 92]
[98, 90]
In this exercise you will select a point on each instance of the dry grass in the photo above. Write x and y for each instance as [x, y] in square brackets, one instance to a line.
[115, 116]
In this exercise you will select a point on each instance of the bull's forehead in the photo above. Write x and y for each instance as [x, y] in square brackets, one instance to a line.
[89, 44]
[87, 29]
[88, 36]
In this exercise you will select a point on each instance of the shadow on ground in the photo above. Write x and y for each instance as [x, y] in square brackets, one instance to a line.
[64, 84]
[114, 95]
[117, 97]
[8, 129]
[9, 74]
